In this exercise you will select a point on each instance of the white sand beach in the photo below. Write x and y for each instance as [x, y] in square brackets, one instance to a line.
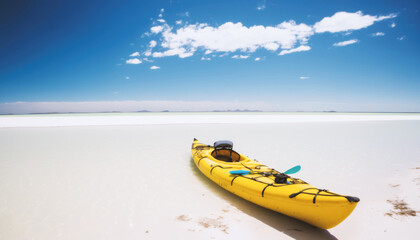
[131, 176]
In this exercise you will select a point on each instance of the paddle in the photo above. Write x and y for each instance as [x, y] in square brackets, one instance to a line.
[294, 169]
[240, 172]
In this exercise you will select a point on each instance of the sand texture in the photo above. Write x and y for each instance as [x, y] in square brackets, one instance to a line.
[139, 181]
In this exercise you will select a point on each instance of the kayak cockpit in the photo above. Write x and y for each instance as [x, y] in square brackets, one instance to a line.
[223, 151]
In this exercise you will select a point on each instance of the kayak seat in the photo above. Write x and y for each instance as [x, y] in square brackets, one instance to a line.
[223, 151]
[226, 155]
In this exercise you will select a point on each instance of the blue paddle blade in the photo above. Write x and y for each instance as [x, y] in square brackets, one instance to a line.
[293, 170]
[240, 172]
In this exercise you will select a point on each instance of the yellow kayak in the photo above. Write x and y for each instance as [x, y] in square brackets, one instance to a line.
[269, 188]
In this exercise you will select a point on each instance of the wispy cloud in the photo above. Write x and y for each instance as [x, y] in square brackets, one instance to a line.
[135, 54]
[393, 25]
[345, 21]
[345, 43]
[401, 38]
[181, 52]
[257, 59]
[147, 60]
[304, 78]
[161, 14]
[240, 56]
[185, 14]
[148, 52]
[378, 34]
[154, 67]
[261, 7]
[133, 61]
[302, 48]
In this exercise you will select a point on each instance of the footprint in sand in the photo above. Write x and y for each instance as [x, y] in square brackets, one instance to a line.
[401, 208]
[214, 223]
[206, 222]
[183, 218]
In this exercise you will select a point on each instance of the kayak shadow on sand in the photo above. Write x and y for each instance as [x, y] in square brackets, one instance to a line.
[285, 224]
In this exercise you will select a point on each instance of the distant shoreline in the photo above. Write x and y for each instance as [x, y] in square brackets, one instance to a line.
[214, 111]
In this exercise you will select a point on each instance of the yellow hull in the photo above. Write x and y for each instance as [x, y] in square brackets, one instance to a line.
[296, 198]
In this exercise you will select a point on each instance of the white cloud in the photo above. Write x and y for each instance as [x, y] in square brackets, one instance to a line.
[135, 54]
[160, 15]
[345, 43]
[127, 77]
[257, 59]
[156, 29]
[205, 58]
[288, 37]
[154, 67]
[162, 10]
[378, 34]
[148, 53]
[344, 21]
[152, 44]
[231, 37]
[240, 56]
[186, 54]
[161, 20]
[401, 38]
[181, 52]
[393, 25]
[261, 7]
[133, 61]
[298, 49]
[304, 78]
[272, 46]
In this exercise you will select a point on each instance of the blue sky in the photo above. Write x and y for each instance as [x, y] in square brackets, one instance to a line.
[270, 55]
